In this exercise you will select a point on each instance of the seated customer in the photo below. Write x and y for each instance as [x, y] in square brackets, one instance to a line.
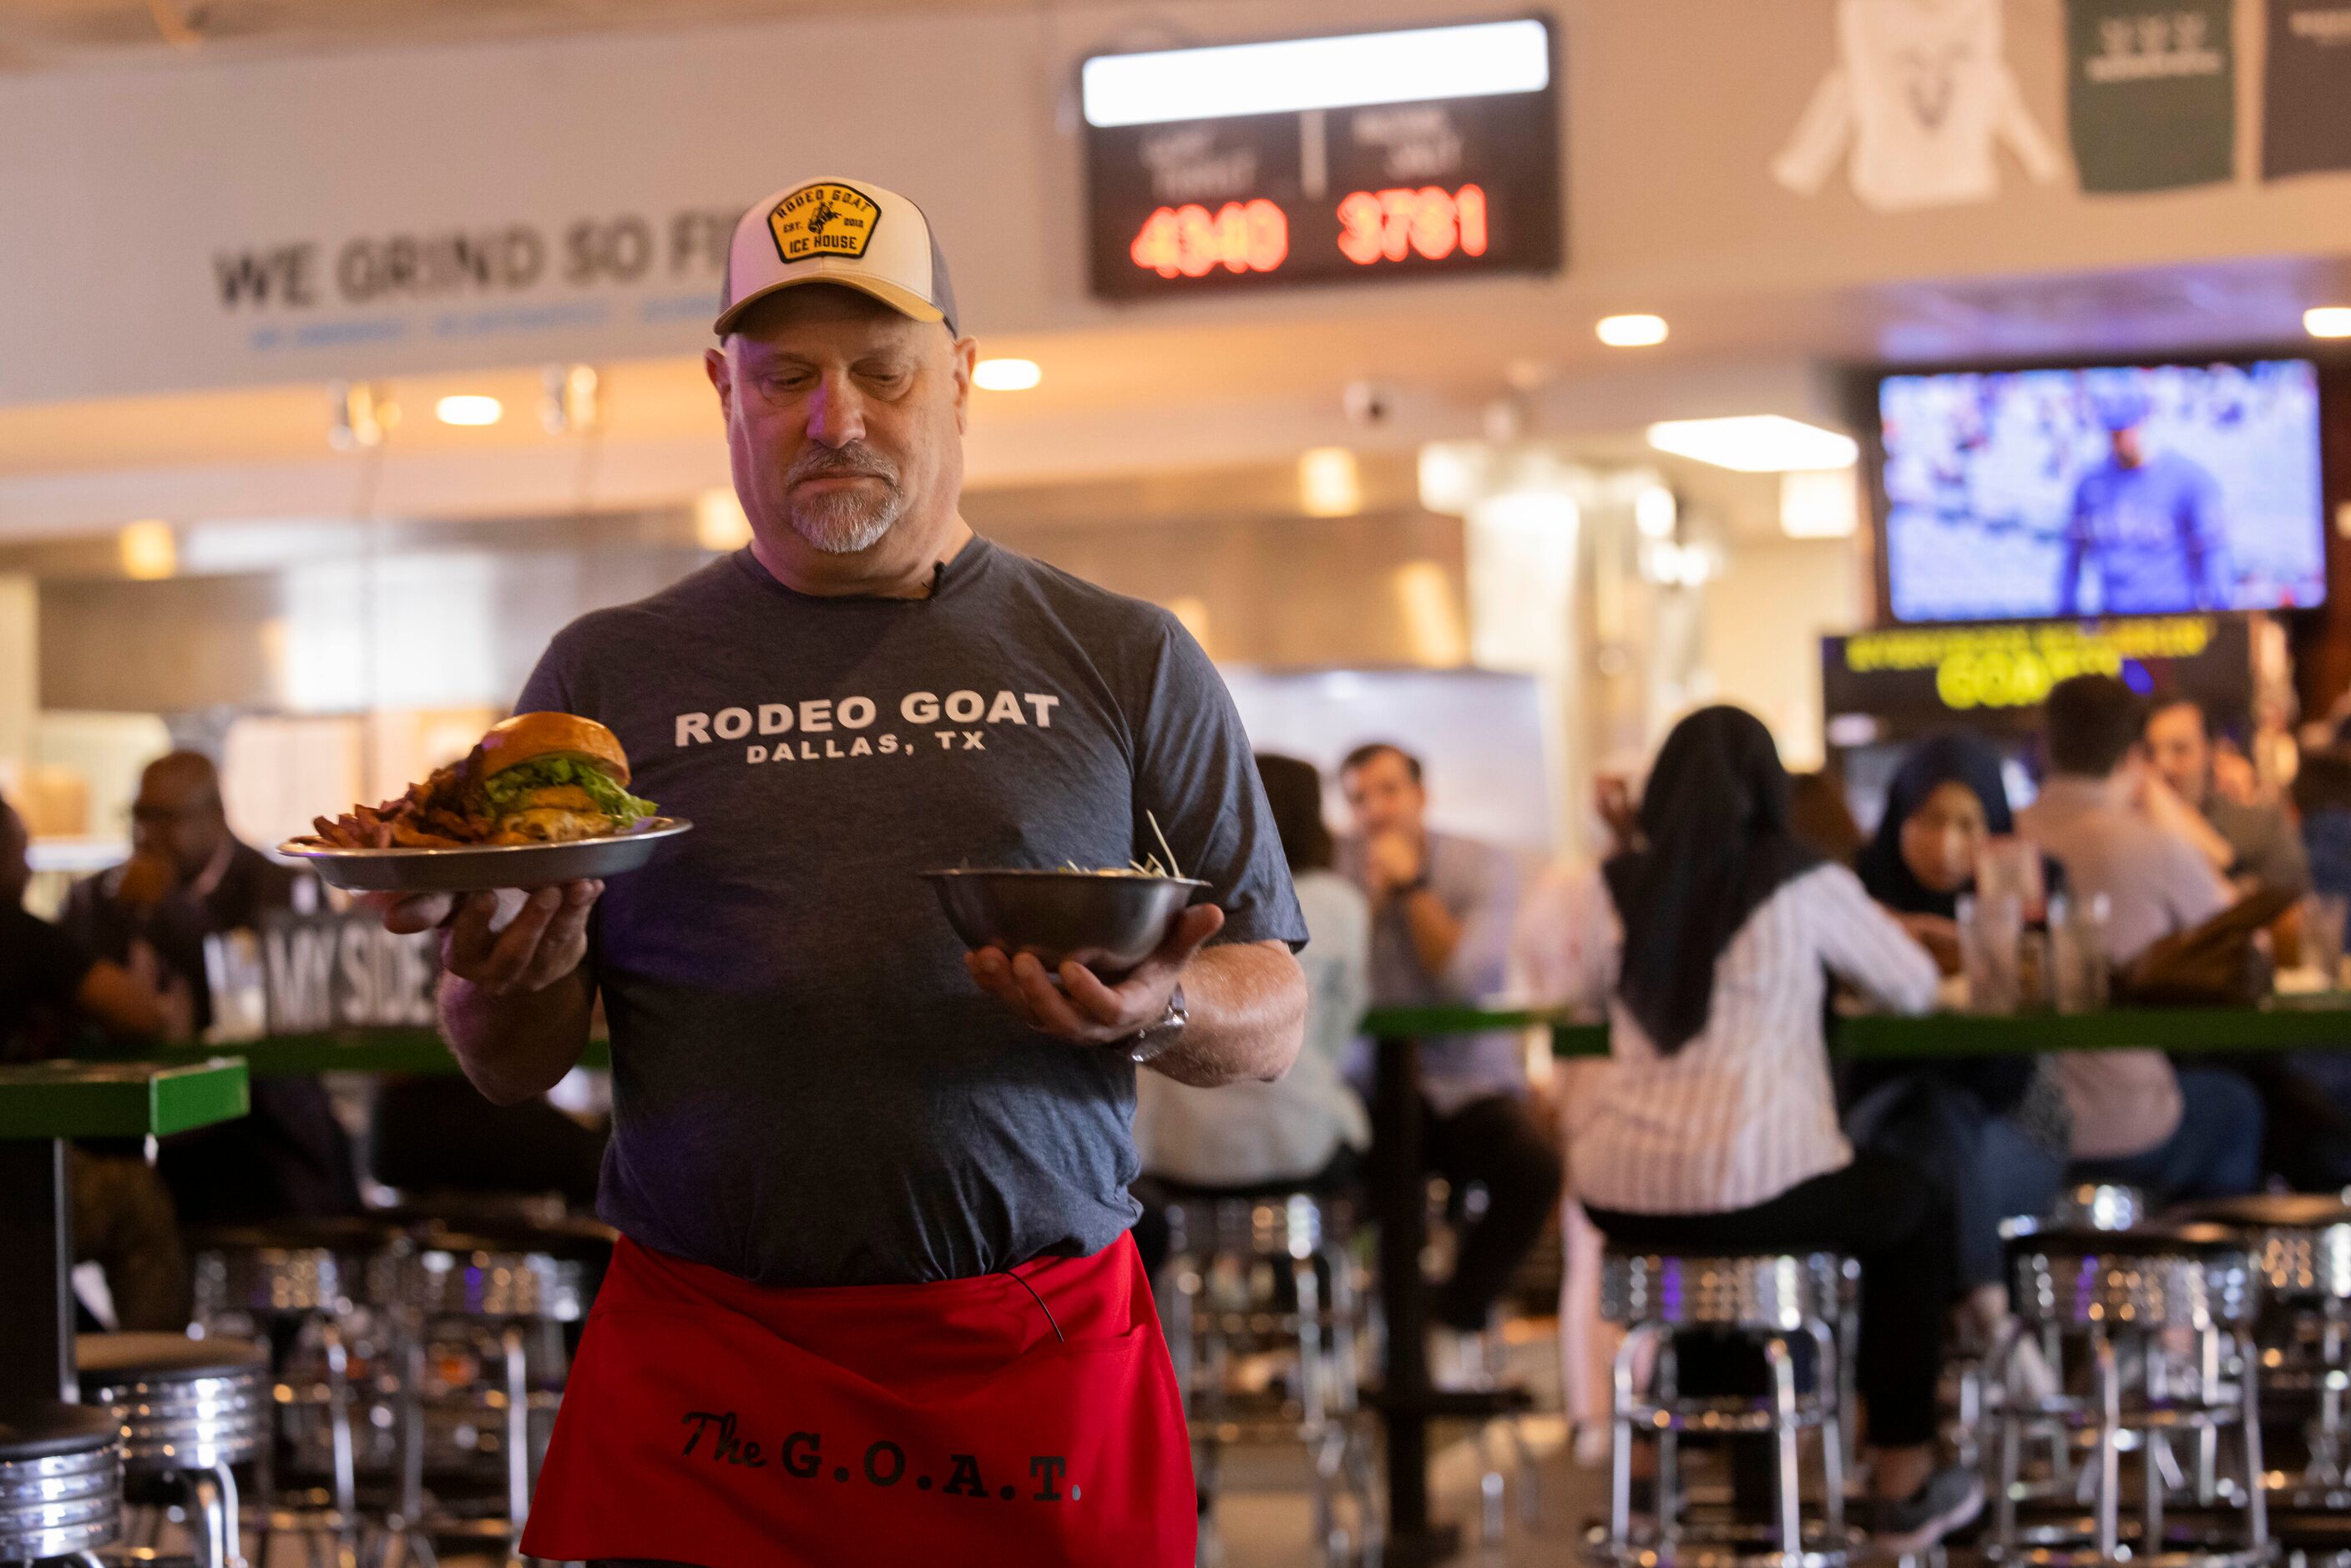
[1309, 1129]
[51, 987]
[2193, 1133]
[1714, 1126]
[1442, 910]
[189, 877]
[1992, 1131]
[2250, 841]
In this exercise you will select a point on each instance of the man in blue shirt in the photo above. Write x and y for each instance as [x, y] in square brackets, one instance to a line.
[1442, 909]
[2151, 524]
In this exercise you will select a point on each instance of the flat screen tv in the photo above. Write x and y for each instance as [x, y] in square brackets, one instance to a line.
[2102, 490]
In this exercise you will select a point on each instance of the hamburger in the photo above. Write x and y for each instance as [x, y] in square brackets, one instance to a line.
[551, 778]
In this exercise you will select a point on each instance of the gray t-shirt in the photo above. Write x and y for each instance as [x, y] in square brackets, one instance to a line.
[807, 1088]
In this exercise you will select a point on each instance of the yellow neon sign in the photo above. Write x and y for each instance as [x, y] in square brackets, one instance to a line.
[2014, 666]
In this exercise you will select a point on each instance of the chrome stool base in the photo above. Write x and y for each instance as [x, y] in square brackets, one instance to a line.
[190, 1410]
[1225, 1255]
[2158, 1322]
[1771, 1302]
[60, 1482]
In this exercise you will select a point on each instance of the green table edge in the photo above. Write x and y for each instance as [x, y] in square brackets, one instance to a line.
[342, 1050]
[172, 1098]
[2283, 1024]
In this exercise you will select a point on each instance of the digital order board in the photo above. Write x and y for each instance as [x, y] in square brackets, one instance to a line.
[1417, 153]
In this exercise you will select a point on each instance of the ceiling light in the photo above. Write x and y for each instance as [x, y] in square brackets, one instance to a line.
[2327, 321]
[1329, 484]
[469, 408]
[1631, 331]
[1655, 512]
[1006, 375]
[1756, 444]
[718, 521]
[148, 550]
[1819, 505]
[1419, 64]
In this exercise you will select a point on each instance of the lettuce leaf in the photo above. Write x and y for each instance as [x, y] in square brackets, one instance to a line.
[504, 790]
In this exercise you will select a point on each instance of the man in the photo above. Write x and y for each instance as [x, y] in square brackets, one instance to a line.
[874, 1301]
[2244, 840]
[189, 877]
[2150, 524]
[51, 985]
[1442, 912]
[2196, 1134]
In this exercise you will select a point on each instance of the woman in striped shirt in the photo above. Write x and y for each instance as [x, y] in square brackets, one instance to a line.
[1714, 1127]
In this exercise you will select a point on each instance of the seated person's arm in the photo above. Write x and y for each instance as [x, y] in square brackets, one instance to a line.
[1472, 955]
[110, 996]
[1866, 948]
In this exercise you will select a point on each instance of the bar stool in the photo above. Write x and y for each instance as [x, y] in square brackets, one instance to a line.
[484, 1311]
[2301, 1250]
[188, 1410]
[2099, 1206]
[1231, 1260]
[318, 1291]
[1774, 1303]
[1483, 1370]
[60, 1481]
[2115, 1306]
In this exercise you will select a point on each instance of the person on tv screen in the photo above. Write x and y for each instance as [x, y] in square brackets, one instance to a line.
[2150, 524]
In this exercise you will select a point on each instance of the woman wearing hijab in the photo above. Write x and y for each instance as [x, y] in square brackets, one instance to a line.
[1991, 1132]
[1714, 1126]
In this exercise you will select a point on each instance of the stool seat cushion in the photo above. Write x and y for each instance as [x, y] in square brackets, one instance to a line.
[2269, 1211]
[2190, 1241]
[46, 1430]
[581, 1240]
[162, 1357]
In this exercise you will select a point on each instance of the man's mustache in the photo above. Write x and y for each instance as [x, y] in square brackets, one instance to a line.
[851, 461]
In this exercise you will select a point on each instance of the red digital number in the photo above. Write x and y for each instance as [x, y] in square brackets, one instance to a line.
[1190, 241]
[1431, 223]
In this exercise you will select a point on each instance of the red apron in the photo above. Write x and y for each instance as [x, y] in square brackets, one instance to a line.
[712, 1421]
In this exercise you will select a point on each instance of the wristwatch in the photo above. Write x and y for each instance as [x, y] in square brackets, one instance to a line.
[1157, 1040]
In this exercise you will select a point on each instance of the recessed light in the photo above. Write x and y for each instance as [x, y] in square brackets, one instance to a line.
[719, 523]
[1006, 375]
[2327, 321]
[1329, 483]
[469, 408]
[1638, 331]
[1476, 59]
[1756, 444]
[148, 549]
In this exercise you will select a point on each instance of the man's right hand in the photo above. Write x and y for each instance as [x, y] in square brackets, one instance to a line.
[543, 943]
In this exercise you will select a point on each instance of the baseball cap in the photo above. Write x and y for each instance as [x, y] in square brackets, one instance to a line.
[847, 232]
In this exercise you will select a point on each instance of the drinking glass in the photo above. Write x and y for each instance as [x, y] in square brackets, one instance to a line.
[2077, 946]
[1991, 932]
[2322, 934]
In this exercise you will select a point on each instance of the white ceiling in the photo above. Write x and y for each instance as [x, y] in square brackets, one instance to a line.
[48, 34]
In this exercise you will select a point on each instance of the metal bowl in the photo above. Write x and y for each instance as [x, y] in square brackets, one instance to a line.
[476, 868]
[1108, 924]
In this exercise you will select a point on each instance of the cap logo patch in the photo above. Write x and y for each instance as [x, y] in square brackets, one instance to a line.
[823, 220]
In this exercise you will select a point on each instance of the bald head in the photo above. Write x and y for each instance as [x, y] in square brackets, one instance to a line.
[178, 813]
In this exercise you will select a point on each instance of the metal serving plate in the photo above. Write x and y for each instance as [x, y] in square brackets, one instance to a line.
[475, 868]
[1110, 923]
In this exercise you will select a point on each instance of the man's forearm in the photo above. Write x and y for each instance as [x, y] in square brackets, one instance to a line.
[1247, 1016]
[1436, 934]
[518, 1044]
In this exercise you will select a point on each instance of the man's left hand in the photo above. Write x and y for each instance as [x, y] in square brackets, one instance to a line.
[1083, 1008]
